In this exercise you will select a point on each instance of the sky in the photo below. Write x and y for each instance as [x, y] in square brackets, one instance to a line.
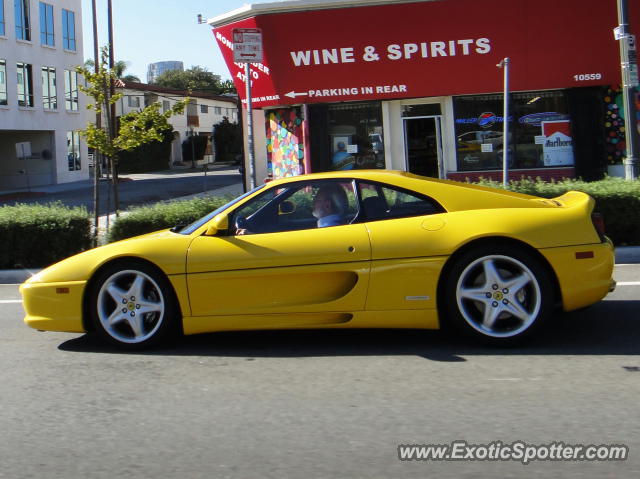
[147, 31]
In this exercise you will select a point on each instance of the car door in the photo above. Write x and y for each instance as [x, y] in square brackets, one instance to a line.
[404, 267]
[283, 263]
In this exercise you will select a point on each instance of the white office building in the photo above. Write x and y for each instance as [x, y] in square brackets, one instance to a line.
[41, 108]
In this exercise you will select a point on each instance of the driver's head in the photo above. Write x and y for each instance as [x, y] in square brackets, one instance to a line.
[329, 200]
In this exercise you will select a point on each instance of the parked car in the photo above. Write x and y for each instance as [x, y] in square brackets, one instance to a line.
[409, 252]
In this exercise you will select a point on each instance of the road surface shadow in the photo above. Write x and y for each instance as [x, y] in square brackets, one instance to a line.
[608, 328]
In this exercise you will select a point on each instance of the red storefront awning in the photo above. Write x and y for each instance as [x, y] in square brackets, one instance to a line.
[428, 48]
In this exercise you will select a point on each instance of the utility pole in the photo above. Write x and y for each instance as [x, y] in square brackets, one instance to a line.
[629, 67]
[96, 155]
[112, 125]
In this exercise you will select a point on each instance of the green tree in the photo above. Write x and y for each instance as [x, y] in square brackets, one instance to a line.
[195, 78]
[119, 68]
[134, 129]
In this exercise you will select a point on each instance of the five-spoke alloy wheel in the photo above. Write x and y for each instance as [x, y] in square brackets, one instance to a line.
[132, 306]
[500, 294]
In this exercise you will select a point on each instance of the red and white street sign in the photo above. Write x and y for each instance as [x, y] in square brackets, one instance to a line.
[247, 45]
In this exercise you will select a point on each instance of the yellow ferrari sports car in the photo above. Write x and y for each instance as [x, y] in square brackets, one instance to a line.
[350, 249]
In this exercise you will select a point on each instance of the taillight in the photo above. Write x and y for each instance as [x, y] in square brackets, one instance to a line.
[598, 223]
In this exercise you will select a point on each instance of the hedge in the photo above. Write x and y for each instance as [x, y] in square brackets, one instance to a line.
[618, 201]
[33, 236]
[145, 219]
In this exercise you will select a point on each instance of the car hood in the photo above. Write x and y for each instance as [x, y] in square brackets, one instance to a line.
[164, 248]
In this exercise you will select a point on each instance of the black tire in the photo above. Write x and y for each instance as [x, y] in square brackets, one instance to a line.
[133, 306]
[497, 294]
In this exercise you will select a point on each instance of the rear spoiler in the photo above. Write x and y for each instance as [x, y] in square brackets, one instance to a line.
[575, 199]
[578, 199]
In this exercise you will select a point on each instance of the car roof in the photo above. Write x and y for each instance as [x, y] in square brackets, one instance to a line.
[453, 195]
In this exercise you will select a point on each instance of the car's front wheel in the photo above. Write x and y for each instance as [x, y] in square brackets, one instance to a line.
[133, 306]
[500, 295]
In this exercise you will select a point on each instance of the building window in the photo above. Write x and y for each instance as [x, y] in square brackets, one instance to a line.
[539, 131]
[23, 22]
[2, 30]
[3, 82]
[166, 106]
[68, 30]
[204, 108]
[133, 101]
[25, 85]
[347, 136]
[73, 150]
[49, 90]
[46, 25]
[217, 110]
[71, 90]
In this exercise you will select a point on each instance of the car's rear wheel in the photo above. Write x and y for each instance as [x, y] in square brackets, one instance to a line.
[500, 295]
[133, 306]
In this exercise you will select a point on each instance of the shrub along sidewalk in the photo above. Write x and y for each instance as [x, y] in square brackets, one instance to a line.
[38, 235]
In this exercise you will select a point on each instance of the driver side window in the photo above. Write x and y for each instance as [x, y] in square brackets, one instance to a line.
[298, 206]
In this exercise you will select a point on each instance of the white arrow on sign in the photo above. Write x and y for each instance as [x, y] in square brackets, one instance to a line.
[293, 94]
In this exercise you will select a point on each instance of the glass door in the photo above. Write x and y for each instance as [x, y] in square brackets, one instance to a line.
[423, 145]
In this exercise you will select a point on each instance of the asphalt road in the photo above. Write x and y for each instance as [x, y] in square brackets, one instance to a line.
[141, 190]
[331, 404]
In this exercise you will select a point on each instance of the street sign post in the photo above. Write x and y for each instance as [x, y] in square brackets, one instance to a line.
[247, 49]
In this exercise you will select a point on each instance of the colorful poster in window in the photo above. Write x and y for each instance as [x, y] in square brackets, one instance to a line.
[558, 146]
[285, 143]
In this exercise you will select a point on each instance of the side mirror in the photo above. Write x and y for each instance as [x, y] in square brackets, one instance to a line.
[286, 207]
[219, 223]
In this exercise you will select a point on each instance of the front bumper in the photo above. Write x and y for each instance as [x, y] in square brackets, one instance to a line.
[53, 306]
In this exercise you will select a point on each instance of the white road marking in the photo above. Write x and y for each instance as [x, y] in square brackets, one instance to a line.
[514, 379]
[10, 301]
[628, 283]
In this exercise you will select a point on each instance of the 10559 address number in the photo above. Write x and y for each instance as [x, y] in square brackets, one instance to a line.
[587, 76]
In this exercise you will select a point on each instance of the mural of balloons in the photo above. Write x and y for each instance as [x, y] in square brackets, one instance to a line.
[614, 124]
[285, 142]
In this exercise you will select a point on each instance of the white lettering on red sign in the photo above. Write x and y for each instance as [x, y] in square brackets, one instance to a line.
[405, 51]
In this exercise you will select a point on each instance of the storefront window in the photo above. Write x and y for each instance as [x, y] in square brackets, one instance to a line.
[347, 136]
[539, 131]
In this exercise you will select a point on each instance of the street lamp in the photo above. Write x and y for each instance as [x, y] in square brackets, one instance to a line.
[629, 81]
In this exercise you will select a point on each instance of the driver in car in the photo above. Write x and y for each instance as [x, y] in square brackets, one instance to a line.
[330, 205]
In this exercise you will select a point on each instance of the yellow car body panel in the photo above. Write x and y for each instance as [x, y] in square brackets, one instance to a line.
[582, 281]
[54, 306]
[164, 249]
[404, 284]
[413, 319]
[368, 274]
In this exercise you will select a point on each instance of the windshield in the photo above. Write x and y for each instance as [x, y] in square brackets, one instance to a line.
[187, 230]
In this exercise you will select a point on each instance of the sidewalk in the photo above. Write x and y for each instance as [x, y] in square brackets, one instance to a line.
[176, 172]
